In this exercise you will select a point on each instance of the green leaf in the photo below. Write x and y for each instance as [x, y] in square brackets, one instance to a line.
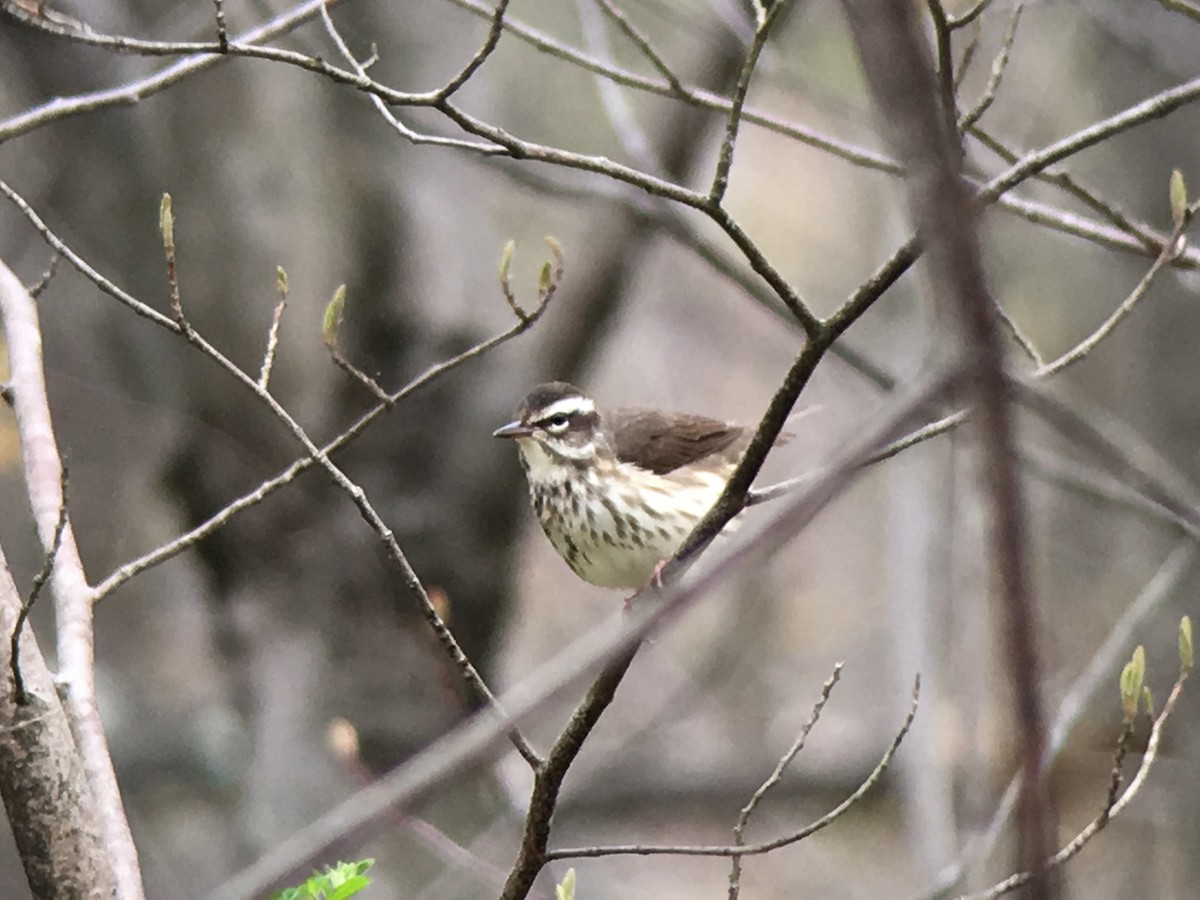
[281, 279]
[332, 319]
[166, 223]
[1147, 701]
[336, 883]
[1187, 657]
[1132, 677]
[349, 887]
[565, 890]
[1179, 197]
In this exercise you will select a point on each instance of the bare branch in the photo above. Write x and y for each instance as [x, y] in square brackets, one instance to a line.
[1018, 335]
[945, 58]
[739, 829]
[696, 96]
[970, 15]
[264, 375]
[548, 778]
[37, 288]
[222, 33]
[643, 44]
[1087, 345]
[132, 93]
[720, 180]
[765, 846]
[1152, 241]
[190, 538]
[999, 66]
[73, 609]
[481, 55]
[484, 149]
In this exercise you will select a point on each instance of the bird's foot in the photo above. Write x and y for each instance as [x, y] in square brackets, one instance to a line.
[655, 581]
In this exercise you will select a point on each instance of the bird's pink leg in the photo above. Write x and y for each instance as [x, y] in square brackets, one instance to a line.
[655, 580]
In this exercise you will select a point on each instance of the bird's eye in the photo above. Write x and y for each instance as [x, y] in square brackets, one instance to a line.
[557, 422]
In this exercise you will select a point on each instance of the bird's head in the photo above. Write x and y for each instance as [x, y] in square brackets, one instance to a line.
[556, 425]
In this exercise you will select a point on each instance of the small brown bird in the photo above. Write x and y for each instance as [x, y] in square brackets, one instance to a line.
[618, 491]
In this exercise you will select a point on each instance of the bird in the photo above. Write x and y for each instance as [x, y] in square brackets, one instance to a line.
[618, 491]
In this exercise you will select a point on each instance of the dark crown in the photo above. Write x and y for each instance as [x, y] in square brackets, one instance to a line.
[544, 396]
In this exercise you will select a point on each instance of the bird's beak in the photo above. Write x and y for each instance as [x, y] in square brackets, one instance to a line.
[513, 430]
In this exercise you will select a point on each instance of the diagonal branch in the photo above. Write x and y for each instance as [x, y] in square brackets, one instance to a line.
[720, 181]
[481, 55]
[899, 73]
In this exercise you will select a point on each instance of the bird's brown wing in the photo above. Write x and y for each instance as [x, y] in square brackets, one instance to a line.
[662, 442]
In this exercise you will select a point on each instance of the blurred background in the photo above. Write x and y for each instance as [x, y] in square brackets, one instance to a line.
[223, 670]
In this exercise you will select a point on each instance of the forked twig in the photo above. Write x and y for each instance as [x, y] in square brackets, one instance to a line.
[739, 830]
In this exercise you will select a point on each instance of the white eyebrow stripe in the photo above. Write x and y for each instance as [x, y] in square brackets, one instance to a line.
[569, 406]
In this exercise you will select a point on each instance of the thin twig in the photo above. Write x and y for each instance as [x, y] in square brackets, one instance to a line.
[1151, 240]
[967, 58]
[188, 539]
[1018, 334]
[481, 55]
[385, 111]
[739, 829]
[264, 375]
[37, 288]
[222, 34]
[765, 846]
[1088, 344]
[643, 44]
[1105, 662]
[970, 15]
[999, 67]
[39, 580]
[720, 180]
[1112, 808]
[944, 57]
[617, 106]
[134, 91]
[166, 223]
[373, 387]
